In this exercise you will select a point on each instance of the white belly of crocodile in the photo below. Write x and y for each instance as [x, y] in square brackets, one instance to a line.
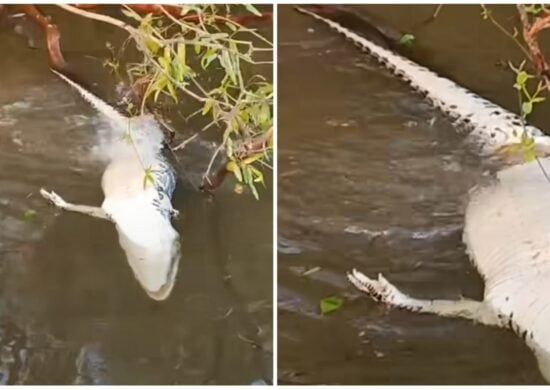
[507, 233]
[123, 178]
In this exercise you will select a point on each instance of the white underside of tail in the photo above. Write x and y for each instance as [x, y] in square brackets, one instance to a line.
[491, 125]
[101, 106]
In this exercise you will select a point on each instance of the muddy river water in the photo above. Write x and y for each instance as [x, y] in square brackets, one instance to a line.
[70, 309]
[368, 180]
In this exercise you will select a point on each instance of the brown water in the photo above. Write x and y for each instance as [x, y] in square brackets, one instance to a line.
[70, 309]
[365, 181]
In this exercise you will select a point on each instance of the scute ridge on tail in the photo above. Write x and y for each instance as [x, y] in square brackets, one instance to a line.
[491, 125]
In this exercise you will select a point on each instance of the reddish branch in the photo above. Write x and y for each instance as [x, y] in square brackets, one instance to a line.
[53, 36]
[51, 32]
[540, 24]
[530, 35]
[254, 145]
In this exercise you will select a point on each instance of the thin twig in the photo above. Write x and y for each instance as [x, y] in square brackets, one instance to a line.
[191, 138]
[99, 17]
[212, 159]
[177, 11]
[510, 35]
[437, 10]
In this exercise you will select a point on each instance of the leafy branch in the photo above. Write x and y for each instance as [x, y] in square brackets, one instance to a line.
[534, 19]
[178, 50]
[527, 99]
[527, 96]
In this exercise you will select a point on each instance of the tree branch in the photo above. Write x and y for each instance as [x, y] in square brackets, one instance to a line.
[99, 17]
[530, 35]
[55, 57]
[176, 11]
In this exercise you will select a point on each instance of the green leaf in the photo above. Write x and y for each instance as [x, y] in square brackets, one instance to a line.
[130, 107]
[231, 166]
[167, 58]
[145, 22]
[526, 140]
[254, 190]
[158, 86]
[208, 57]
[252, 9]
[534, 9]
[179, 70]
[265, 89]
[231, 26]
[247, 174]
[165, 64]
[148, 177]
[528, 147]
[258, 175]
[152, 45]
[29, 215]
[218, 36]
[229, 148]
[207, 106]
[181, 54]
[530, 155]
[330, 304]
[225, 61]
[407, 39]
[131, 14]
[527, 108]
[522, 77]
[244, 115]
[172, 90]
[264, 116]
[253, 158]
